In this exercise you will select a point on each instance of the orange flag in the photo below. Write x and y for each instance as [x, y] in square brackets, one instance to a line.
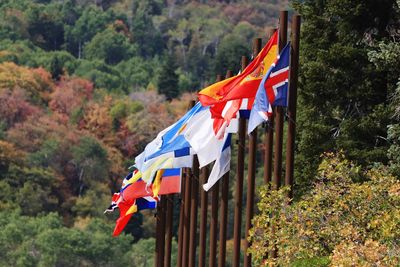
[244, 85]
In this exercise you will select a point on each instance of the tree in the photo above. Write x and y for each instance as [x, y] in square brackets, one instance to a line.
[340, 221]
[342, 96]
[45, 26]
[168, 79]
[110, 46]
[91, 21]
[230, 50]
[145, 35]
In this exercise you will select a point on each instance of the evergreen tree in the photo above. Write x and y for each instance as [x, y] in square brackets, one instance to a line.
[343, 96]
[168, 79]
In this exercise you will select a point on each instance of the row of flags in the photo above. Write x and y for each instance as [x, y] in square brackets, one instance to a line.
[206, 131]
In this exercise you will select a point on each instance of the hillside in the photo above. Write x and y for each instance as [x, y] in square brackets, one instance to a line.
[79, 99]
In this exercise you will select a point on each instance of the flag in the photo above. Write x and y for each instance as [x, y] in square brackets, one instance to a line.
[170, 182]
[203, 138]
[136, 195]
[169, 149]
[222, 164]
[131, 178]
[127, 210]
[146, 203]
[273, 90]
[245, 84]
[157, 182]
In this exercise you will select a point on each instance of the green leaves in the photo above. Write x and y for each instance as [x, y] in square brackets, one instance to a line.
[338, 221]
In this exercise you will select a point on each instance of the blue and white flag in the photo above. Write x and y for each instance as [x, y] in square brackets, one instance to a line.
[145, 203]
[273, 90]
[222, 164]
[169, 149]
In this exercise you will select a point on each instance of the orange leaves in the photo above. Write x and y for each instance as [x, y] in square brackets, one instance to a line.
[70, 94]
[36, 83]
[9, 154]
[97, 120]
[14, 106]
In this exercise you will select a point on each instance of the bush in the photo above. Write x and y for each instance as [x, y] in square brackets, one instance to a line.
[341, 219]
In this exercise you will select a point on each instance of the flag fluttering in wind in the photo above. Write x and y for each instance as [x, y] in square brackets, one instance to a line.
[169, 149]
[272, 91]
[136, 195]
[245, 84]
[222, 164]
[234, 97]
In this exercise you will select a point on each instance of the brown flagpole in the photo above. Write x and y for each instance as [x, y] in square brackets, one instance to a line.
[168, 230]
[161, 232]
[279, 110]
[268, 142]
[224, 210]
[251, 174]
[214, 218]
[276, 182]
[194, 198]
[294, 67]
[239, 185]
[204, 173]
[181, 220]
[187, 212]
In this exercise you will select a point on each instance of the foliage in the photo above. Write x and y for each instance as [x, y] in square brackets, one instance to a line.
[348, 221]
[110, 46]
[44, 241]
[36, 83]
[343, 95]
[168, 80]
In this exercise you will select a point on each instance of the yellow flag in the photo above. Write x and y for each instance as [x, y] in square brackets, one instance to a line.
[157, 182]
[132, 209]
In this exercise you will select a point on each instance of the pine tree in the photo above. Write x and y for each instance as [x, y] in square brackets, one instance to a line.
[168, 79]
[343, 96]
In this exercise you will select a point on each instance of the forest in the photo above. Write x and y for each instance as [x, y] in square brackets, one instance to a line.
[86, 84]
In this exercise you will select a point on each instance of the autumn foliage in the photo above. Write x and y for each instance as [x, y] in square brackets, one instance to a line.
[341, 222]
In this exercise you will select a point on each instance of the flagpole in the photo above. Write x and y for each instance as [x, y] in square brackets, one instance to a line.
[204, 173]
[181, 220]
[294, 66]
[251, 174]
[276, 182]
[214, 218]
[168, 230]
[279, 110]
[268, 142]
[158, 230]
[239, 185]
[224, 210]
[193, 212]
[186, 230]
[161, 232]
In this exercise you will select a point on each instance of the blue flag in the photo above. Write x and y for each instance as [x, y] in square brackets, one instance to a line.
[272, 91]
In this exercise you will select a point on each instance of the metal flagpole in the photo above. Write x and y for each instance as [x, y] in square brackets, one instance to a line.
[161, 231]
[294, 66]
[276, 183]
[181, 220]
[204, 173]
[251, 174]
[168, 230]
[214, 225]
[214, 218]
[268, 142]
[224, 210]
[239, 185]
[279, 110]
[187, 206]
[193, 212]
